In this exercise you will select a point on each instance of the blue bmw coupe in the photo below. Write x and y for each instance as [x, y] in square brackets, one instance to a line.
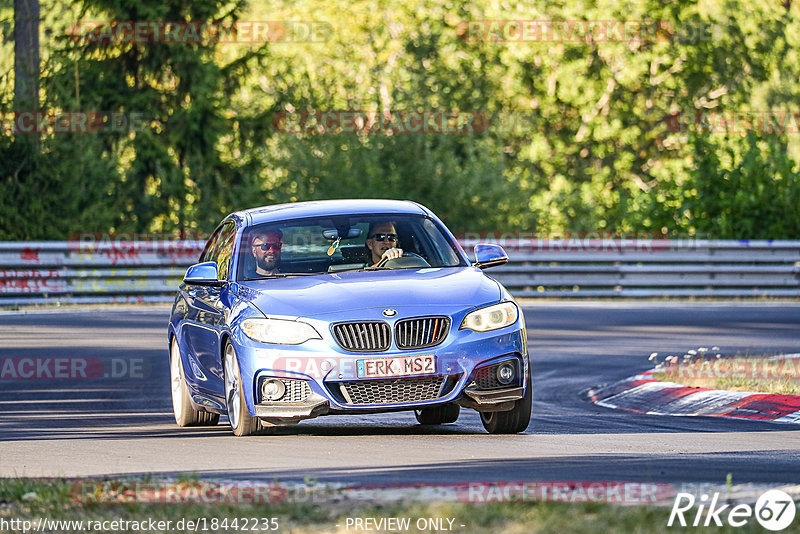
[345, 307]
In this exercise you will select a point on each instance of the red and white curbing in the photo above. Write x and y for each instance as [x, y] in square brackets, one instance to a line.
[644, 394]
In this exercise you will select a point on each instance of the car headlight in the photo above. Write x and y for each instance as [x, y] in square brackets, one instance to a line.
[279, 331]
[491, 317]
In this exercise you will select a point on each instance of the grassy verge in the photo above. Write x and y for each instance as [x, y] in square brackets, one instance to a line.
[29, 500]
[752, 373]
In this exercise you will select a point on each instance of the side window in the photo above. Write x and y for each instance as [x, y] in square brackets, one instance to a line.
[209, 248]
[223, 251]
[439, 244]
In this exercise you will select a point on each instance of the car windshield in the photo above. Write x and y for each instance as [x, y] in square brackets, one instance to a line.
[339, 244]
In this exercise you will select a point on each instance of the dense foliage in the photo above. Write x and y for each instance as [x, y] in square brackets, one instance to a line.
[582, 135]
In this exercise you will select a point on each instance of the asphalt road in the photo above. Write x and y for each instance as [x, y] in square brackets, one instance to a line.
[121, 423]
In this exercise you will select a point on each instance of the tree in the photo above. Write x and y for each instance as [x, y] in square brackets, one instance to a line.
[26, 54]
[582, 132]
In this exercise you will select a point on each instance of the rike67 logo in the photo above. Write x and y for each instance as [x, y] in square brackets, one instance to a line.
[774, 510]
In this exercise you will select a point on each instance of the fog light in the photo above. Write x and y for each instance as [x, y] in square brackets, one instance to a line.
[272, 389]
[505, 373]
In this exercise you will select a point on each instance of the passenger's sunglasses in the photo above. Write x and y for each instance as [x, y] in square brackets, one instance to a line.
[383, 237]
[267, 246]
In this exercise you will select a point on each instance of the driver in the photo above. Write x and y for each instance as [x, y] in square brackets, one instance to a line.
[382, 242]
[266, 248]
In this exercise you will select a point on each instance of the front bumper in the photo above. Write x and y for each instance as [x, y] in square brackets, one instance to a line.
[327, 368]
[495, 400]
[314, 406]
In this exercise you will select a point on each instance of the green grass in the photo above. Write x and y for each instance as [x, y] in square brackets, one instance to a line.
[52, 499]
[749, 373]
[783, 387]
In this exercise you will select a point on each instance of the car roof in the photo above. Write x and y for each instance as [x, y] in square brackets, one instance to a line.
[314, 208]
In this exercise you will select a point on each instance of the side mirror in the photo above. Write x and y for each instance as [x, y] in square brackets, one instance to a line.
[203, 274]
[489, 255]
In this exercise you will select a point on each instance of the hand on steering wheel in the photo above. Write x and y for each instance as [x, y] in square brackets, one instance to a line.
[391, 254]
[406, 261]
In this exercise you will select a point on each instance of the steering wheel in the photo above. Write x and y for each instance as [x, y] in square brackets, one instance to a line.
[408, 259]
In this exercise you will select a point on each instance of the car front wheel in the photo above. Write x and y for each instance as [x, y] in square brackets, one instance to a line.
[438, 415]
[185, 413]
[242, 423]
[513, 421]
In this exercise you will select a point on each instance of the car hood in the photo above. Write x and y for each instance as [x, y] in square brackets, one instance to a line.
[305, 296]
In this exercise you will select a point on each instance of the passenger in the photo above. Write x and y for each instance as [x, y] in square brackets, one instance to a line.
[382, 242]
[266, 248]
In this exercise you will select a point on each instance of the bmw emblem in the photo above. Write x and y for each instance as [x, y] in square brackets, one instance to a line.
[388, 312]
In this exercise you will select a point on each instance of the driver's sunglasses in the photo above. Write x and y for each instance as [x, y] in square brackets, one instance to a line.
[383, 237]
[267, 246]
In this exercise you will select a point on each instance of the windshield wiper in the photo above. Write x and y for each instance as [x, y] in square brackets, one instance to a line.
[281, 275]
[393, 268]
[287, 275]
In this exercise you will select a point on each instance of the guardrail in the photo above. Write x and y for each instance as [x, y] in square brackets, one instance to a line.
[93, 272]
[651, 268]
[100, 272]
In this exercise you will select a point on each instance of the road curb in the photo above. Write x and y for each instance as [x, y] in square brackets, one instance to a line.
[644, 394]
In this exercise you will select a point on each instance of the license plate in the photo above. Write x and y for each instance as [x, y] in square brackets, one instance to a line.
[399, 366]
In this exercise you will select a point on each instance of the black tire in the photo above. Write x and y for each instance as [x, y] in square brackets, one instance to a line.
[242, 423]
[438, 415]
[513, 421]
[182, 408]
